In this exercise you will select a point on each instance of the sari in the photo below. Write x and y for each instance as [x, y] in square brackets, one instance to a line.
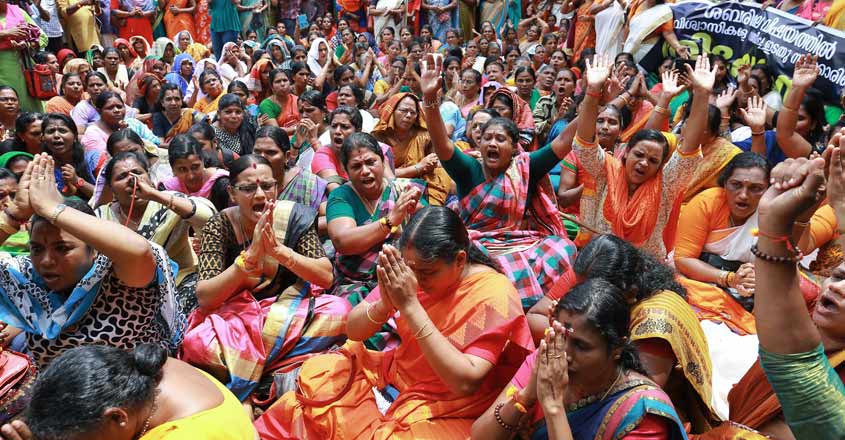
[667, 316]
[252, 21]
[823, 227]
[522, 231]
[175, 76]
[203, 23]
[270, 326]
[753, 403]
[167, 229]
[138, 62]
[160, 46]
[198, 52]
[639, 120]
[11, 59]
[814, 10]
[81, 27]
[584, 31]
[253, 81]
[522, 116]
[482, 317]
[131, 26]
[226, 421]
[717, 154]
[306, 188]
[285, 117]
[58, 104]
[163, 128]
[355, 275]
[646, 27]
[415, 149]
[206, 105]
[174, 184]
[382, 21]
[177, 23]
[835, 17]
[501, 13]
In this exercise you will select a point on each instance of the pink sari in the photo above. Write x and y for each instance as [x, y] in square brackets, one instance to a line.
[174, 184]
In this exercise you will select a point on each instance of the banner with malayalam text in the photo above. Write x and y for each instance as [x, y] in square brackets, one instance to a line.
[743, 33]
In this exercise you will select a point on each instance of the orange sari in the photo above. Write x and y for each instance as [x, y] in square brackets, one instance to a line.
[482, 318]
[203, 23]
[585, 30]
[175, 23]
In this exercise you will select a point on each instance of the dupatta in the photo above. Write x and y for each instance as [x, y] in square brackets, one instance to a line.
[174, 184]
[522, 116]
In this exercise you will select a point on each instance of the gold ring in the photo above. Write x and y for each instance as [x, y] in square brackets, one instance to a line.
[556, 357]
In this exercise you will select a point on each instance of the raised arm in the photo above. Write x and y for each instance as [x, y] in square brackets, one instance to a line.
[783, 325]
[805, 74]
[755, 117]
[671, 88]
[430, 83]
[703, 78]
[131, 254]
[597, 73]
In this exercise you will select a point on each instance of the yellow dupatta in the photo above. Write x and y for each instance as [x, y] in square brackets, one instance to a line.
[716, 157]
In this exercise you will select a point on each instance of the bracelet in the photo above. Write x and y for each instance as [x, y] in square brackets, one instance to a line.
[57, 211]
[802, 224]
[391, 228]
[584, 143]
[79, 182]
[420, 331]
[170, 203]
[241, 262]
[593, 94]
[796, 253]
[8, 212]
[782, 108]
[661, 110]
[498, 414]
[758, 133]
[730, 279]
[369, 307]
[193, 209]
[723, 275]
[430, 105]
[512, 394]
[772, 258]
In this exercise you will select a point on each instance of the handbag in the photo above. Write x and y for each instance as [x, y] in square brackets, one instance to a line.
[40, 82]
[17, 375]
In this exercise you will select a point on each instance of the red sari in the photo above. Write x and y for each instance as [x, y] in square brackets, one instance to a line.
[482, 318]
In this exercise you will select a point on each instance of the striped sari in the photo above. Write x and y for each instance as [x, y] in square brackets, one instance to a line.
[306, 188]
[522, 232]
[246, 338]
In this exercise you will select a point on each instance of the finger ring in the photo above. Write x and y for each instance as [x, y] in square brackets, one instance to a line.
[556, 357]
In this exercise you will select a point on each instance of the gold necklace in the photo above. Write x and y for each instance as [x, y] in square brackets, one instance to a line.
[618, 375]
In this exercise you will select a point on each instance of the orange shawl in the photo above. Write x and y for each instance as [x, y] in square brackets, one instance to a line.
[632, 217]
[522, 117]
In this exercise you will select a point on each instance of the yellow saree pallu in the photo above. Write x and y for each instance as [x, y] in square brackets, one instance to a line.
[667, 316]
[716, 157]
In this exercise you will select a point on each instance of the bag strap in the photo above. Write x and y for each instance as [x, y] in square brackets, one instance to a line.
[324, 402]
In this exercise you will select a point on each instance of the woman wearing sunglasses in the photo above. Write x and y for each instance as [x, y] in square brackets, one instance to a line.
[257, 263]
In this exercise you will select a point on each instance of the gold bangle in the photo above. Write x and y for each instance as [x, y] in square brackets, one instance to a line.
[170, 203]
[802, 224]
[788, 108]
[430, 332]
[730, 278]
[367, 310]
[430, 105]
[661, 110]
[420, 331]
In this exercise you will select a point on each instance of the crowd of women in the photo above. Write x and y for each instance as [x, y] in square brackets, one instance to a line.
[417, 226]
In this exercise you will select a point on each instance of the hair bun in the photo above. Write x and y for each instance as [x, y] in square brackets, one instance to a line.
[149, 359]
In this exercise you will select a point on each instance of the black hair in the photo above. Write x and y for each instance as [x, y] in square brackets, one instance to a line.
[276, 72]
[104, 97]
[476, 75]
[714, 119]
[357, 141]
[40, 57]
[605, 309]
[65, 79]
[548, 37]
[4, 87]
[509, 126]
[652, 135]
[275, 134]
[624, 56]
[438, 233]
[71, 202]
[523, 69]
[246, 131]
[296, 66]
[351, 112]
[493, 61]
[403, 60]
[237, 85]
[257, 54]
[183, 146]
[630, 269]
[120, 135]
[203, 129]
[315, 98]
[109, 50]
[243, 163]
[623, 113]
[505, 99]
[743, 161]
[490, 111]
[15, 159]
[169, 87]
[78, 151]
[108, 170]
[96, 74]
[205, 74]
[21, 123]
[357, 92]
[813, 104]
[70, 397]
[339, 71]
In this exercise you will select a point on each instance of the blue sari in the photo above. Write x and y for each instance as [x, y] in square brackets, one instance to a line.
[618, 414]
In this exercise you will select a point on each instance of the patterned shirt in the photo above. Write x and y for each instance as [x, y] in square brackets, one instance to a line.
[52, 27]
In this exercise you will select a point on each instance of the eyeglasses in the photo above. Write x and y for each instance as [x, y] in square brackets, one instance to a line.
[406, 111]
[249, 189]
[10, 195]
[755, 189]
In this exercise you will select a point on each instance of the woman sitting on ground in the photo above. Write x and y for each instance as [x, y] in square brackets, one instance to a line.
[232, 127]
[294, 184]
[256, 264]
[163, 217]
[462, 331]
[638, 197]
[191, 177]
[100, 390]
[664, 328]
[586, 377]
[502, 199]
[403, 128]
[83, 272]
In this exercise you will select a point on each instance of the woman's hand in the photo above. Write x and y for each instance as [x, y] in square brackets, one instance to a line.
[836, 176]
[796, 185]
[43, 194]
[21, 207]
[145, 190]
[755, 114]
[725, 100]
[405, 206]
[742, 75]
[552, 371]
[69, 175]
[703, 77]
[598, 71]
[399, 280]
[430, 78]
[14, 34]
[429, 163]
[682, 51]
[16, 430]
[806, 71]
[743, 280]
[671, 83]
[257, 249]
